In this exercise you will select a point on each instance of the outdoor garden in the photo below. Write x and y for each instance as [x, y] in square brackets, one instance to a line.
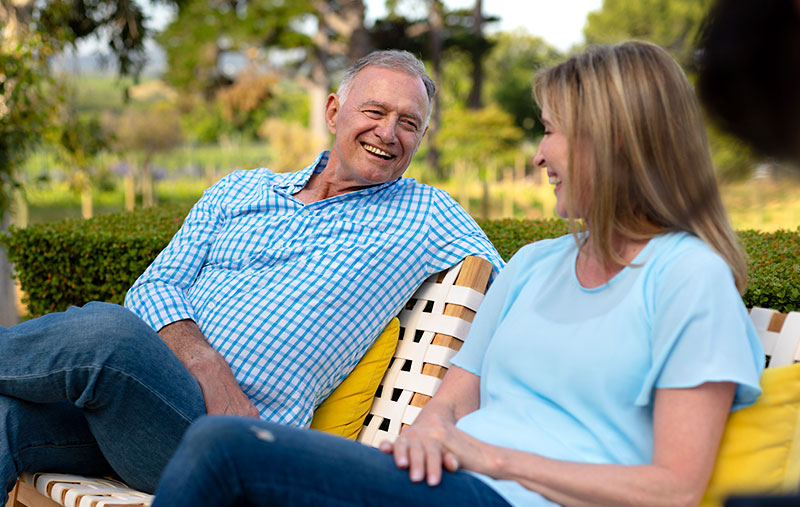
[99, 166]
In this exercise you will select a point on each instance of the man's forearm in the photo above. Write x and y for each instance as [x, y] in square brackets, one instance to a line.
[187, 342]
[221, 391]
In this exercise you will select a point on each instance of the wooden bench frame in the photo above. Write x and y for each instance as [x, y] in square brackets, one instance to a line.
[433, 325]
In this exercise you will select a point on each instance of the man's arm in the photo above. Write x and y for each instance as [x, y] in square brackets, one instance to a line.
[159, 297]
[221, 391]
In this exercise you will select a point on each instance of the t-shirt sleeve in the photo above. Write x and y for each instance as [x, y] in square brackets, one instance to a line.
[490, 313]
[701, 330]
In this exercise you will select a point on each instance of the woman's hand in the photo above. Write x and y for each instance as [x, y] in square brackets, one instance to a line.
[420, 449]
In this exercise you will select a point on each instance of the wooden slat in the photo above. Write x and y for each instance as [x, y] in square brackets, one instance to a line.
[27, 496]
[776, 321]
[475, 273]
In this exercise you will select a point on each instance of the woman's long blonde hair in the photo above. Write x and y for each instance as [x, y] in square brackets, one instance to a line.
[631, 110]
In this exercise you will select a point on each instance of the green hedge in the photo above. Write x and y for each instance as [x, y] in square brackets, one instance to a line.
[74, 261]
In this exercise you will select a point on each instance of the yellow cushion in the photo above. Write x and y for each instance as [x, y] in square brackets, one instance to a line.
[344, 411]
[760, 449]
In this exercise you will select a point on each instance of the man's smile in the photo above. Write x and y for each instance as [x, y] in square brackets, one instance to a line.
[377, 151]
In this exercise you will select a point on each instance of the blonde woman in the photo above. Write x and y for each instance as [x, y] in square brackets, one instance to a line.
[602, 365]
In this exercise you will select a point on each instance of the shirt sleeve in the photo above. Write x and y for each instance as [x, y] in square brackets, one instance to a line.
[494, 306]
[159, 295]
[453, 235]
[701, 330]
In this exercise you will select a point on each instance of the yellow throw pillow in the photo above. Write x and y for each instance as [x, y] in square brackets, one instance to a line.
[760, 449]
[344, 411]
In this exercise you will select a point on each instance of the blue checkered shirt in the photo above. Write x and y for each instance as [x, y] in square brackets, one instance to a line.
[293, 294]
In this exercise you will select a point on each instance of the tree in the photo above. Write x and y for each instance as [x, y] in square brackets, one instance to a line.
[672, 24]
[79, 140]
[24, 108]
[203, 38]
[146, 132]
[511, 66]
[32, 31]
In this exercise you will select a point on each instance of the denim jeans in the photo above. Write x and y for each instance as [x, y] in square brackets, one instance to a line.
[91, 390]
[232, 461]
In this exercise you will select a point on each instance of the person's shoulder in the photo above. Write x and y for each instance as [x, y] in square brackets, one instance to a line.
[684, 255]
[544, 249]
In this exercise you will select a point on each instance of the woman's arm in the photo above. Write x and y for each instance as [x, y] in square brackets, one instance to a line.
[419, 446]
[688, 426]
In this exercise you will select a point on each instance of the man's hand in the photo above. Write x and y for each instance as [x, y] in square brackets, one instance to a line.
[221, 391]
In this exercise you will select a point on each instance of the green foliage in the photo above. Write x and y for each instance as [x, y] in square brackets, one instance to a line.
[774, 269]
[464, 137]
[146, 131]
[25, 106]
[510, 68]
[73, 261]
[509, 235]
[671, 24]
[203, 32]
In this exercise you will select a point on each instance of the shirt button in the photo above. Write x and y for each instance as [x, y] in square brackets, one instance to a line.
[249, 271]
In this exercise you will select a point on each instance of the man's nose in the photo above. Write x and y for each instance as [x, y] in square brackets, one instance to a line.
[387, 130]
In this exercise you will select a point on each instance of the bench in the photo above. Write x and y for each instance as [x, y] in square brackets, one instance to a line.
[433, 325]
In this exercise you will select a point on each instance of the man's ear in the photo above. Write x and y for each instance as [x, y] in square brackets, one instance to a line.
[332, 112]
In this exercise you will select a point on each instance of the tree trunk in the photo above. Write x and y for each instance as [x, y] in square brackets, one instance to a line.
[320, 80]
[87, 207]
[148, 189]
[437, 26]
[8, 299]
[20, 209]
[475, 100]
[130, 191]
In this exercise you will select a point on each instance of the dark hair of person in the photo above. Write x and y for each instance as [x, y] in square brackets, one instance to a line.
[748, 62]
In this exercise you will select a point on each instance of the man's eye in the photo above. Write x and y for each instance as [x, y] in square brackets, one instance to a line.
[372, 113]
[411, 125]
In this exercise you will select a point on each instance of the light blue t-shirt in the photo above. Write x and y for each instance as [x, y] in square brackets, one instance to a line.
[569, 373]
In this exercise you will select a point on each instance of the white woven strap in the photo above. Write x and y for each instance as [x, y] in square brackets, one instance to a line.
[420, 321]
[77, 491]
[786, 349]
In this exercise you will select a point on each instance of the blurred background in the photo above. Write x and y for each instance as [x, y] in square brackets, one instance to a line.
[135, 103]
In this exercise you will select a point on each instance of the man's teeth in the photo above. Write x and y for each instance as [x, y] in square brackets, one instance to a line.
[554, 180]
[376, 151]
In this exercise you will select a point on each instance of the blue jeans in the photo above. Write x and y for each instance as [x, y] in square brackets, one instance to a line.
[240, 462]
[92, 390]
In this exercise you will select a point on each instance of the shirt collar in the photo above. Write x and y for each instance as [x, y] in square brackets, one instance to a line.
[294, 182]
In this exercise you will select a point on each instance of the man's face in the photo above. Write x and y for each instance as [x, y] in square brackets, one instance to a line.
[379, 126]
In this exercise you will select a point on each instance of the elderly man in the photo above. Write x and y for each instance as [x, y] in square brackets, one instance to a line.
[262, 303]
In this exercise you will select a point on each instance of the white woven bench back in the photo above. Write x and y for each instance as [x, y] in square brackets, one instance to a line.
[433, 325]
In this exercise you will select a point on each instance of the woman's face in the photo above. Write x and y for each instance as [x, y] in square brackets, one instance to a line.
[553, 153]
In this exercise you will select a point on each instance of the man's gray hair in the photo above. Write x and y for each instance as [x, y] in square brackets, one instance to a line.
[388, 59]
